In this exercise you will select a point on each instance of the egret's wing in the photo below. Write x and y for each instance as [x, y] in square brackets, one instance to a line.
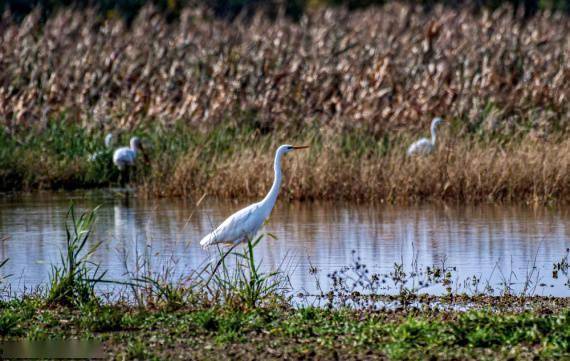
[422, 146]
[241, 224]
[119, 154]
[124, 155]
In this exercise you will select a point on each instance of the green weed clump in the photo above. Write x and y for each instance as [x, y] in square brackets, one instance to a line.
[73, 281]
[539, 332]
[242, 283]
[233, 279]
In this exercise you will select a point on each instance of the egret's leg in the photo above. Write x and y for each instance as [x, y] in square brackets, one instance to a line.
[128, 175]
[120, 177]
[124, 177]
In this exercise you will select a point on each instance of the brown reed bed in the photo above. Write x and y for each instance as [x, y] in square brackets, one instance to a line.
[380, 69]
[358, 85]
[533, 172]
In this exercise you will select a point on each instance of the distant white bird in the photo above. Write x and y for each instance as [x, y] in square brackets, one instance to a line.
[425, 146]
[244, 224]
[125, 156]
[109, 140]
[108, 143]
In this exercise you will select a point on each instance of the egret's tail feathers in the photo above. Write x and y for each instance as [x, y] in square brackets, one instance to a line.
[207, 241]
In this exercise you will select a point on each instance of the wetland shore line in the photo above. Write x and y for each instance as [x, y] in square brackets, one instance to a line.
[212, 99]
[235, 161]
[238, 311]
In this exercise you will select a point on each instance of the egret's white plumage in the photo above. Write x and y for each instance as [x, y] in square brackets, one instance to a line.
[245, 223]
[125, 156]
[425, 146]
[109, 140]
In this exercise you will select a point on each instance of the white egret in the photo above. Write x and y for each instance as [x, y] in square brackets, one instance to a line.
[108, 143]
[245, 223]
[124, 157]
[426, 146]
[109, 140]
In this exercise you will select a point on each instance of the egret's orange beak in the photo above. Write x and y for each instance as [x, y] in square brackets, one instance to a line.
[301, 147]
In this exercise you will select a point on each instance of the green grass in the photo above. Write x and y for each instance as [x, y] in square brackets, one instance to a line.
[233, 160]
[243, 284]
[200, 333]
[57, 157]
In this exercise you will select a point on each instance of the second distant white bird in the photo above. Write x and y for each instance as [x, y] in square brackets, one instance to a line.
[426, 146]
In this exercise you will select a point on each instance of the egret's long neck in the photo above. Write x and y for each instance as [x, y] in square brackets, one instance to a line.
[433, 131]
[271, 197]
[134, 149]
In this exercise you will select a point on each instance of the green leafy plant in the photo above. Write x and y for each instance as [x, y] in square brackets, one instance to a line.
[243, 283]
[171, 293]
[102, 318]
[73, 281]
[9, 323]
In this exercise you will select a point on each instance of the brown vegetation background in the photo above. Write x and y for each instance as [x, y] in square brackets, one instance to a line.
[380, 68]
[377, 75]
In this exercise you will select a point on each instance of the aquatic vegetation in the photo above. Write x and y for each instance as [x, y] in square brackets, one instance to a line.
[355, 286]
[241, 283]
[159, 290]
[4, 278]
[185, 162]
[233, 277]
[562, 265]
[157, 287]
[73, 281]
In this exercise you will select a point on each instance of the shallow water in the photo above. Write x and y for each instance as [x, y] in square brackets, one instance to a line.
[494, 243]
